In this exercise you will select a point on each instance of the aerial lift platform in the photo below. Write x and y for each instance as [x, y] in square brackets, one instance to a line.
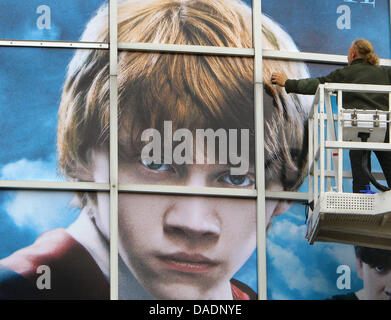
[334, 215]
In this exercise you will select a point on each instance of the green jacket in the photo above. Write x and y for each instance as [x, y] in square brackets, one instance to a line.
[358, 71]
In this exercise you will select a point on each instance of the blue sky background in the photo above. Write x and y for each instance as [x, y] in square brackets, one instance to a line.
[30, 88]
[18, 19]
[313, 24]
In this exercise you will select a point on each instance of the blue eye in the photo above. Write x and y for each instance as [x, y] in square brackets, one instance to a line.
[156, 166]
[380, 269]
[237, 180]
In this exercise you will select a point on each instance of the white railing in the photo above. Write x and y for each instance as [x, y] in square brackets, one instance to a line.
[326, 142]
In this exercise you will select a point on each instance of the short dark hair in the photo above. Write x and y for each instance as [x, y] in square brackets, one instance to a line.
[374, 257]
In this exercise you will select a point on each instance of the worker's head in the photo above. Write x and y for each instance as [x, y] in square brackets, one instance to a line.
[374, 268]
[362, 49]
[159, 234]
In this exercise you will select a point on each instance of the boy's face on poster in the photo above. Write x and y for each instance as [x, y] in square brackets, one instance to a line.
[377, 281]
[186, 247]
[182, 247]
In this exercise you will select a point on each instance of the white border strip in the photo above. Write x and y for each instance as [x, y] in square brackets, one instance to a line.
[54, 44]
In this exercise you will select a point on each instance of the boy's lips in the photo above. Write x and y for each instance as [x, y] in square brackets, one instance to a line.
[187, 263]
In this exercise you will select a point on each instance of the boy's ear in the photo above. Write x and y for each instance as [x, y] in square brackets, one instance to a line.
[282, 207]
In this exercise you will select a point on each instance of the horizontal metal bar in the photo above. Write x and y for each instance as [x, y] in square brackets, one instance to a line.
[246, 52]
[358, 145]
[54, 185]
[186, 190]
[53, 44]
[353, 87]
[348, 174]
[177, 48]
[211, 192]
[174, 48]
[287, 195]
[363, 120]
[151, 189]
[312, 57]
[362, 112]
[305, 56]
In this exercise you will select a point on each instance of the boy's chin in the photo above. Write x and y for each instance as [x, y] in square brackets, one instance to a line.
[186, 292]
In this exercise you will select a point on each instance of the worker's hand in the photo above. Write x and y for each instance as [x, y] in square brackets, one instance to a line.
[279, 79]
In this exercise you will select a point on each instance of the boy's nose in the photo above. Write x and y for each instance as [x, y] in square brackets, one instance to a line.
[193, 219]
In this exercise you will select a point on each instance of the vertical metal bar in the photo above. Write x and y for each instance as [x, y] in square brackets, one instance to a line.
[310, 164]
[329, 126]
[340, 150]
[329, 156]
[331, 136]
[321, 145]
[113, 40]
[311, 158]
[259, 149]
[328, 164]
[316, 146]
[389, 113]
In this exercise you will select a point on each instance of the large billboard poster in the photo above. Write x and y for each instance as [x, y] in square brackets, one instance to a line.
[171, 108]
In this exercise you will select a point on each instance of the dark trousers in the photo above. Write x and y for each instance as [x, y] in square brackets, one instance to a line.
[360, 179]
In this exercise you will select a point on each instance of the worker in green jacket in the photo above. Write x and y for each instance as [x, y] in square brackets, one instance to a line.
[363, 68]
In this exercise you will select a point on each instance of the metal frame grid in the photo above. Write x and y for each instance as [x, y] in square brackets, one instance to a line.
[260, 194]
